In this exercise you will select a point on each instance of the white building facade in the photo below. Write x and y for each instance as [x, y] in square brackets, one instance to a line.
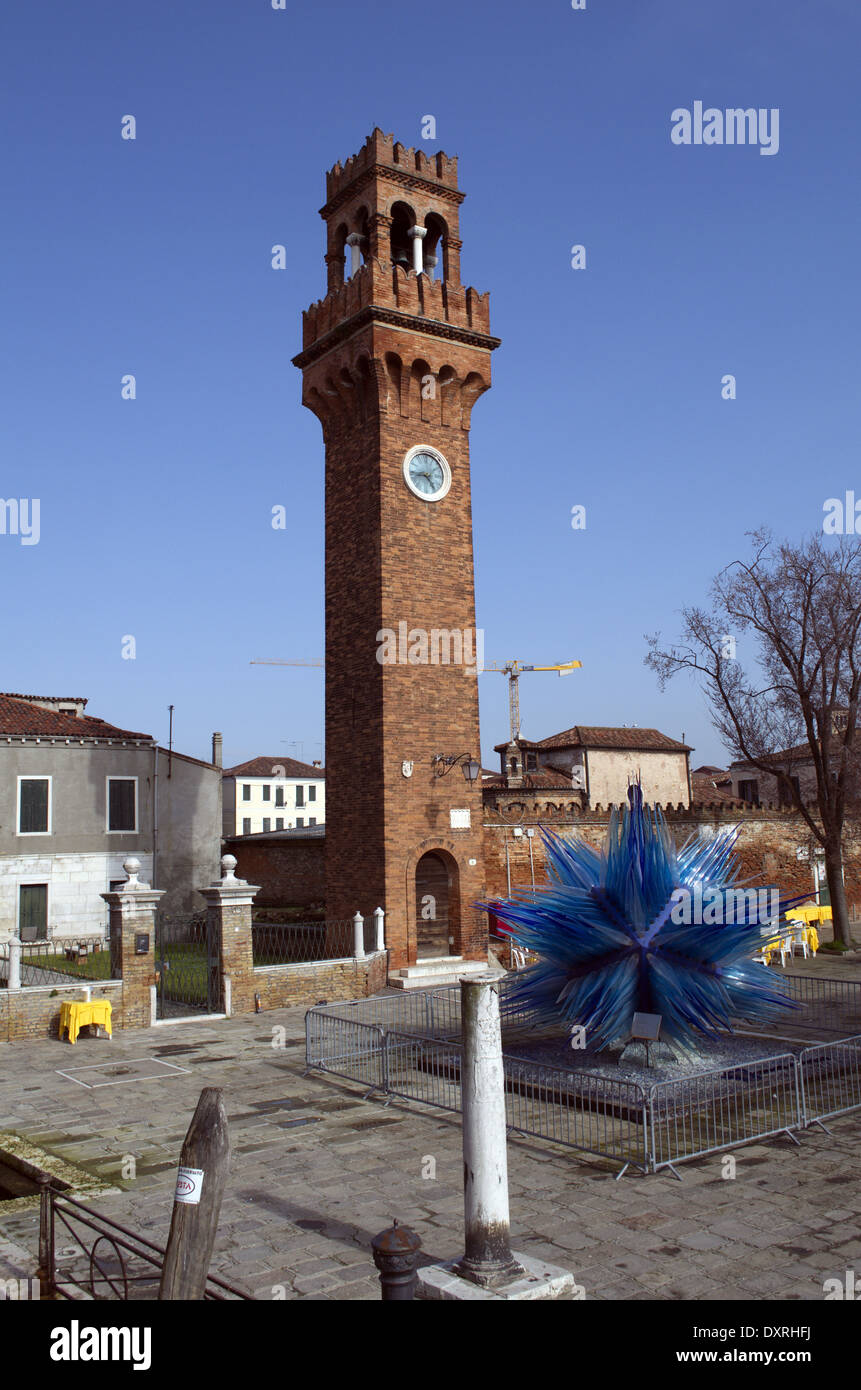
[267, 794]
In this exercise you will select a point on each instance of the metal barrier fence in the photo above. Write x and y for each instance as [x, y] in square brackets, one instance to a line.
[830, 1005]
[596, 1115]
[408, 1045]
[830, 1079]
[721, 1109]
[59, 960]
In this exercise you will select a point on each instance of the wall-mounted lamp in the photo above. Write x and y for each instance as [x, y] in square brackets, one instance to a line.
[469, 766]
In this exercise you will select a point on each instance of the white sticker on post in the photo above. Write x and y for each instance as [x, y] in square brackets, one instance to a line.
[189, 1182]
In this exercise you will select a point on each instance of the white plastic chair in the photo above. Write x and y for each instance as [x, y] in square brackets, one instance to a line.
[799, 938]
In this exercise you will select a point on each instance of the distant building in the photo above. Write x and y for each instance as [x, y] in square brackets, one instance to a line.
[275, 793]
[77, 797]
[710, 785]
[597, 764]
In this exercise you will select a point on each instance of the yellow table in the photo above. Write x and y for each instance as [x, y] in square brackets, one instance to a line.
[75, 1015]
[813, 913]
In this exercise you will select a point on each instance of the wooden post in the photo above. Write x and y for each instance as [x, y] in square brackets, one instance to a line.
[46, 1271]
[200, 1184]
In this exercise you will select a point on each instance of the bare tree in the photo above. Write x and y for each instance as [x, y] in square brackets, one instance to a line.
[802, 604]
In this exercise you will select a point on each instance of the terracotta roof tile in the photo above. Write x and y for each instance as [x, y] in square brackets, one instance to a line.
[599, 736]
[19, 716]
[265, 767]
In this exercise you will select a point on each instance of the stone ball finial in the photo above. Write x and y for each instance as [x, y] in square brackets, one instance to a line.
[132, 867]
[228, 866]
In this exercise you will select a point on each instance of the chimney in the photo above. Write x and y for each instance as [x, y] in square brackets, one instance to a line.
[513, 765]
[216, 750]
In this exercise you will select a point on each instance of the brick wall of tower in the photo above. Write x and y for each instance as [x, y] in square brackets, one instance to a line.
[369, 348]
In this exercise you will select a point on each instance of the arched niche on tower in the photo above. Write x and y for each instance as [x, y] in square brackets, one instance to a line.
[394, 369]
[447, 387]
[424, 392]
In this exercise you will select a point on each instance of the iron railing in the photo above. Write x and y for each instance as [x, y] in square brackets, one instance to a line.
[105, 1260]
[59, 960]
[299, 943]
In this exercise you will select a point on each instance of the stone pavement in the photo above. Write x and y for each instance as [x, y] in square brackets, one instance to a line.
[317, 1172]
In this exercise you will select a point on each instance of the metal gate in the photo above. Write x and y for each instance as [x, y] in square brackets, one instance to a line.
[188, 977]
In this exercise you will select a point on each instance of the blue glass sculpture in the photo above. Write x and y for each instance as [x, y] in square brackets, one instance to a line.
[642, 927]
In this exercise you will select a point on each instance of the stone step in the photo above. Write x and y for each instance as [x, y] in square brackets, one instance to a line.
[442, 970]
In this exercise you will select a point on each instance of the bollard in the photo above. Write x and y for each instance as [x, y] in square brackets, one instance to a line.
[359, 936]
[395, 1254]
[379, 933]
[487, 1259]
[14, 963]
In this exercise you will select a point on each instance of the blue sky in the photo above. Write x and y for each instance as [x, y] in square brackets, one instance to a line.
[152, 257]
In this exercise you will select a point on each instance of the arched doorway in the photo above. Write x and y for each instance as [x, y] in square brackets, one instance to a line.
[433, 906]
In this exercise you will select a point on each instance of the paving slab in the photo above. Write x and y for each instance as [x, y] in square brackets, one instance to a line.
[304, 1201]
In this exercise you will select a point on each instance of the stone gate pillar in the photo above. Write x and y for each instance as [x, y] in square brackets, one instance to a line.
[132, 933]
[228, 927]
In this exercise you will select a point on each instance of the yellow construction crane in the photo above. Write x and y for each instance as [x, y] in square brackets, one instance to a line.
[513, 670]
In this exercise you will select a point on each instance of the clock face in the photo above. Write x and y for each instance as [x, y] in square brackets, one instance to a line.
[426, 473]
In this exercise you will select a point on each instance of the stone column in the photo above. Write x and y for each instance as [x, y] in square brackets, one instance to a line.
[418, 235]
[488, 1269]
[132, 930]
[228, 926]
[488, 1259]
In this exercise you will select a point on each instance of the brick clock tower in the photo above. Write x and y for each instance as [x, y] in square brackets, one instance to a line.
[393, 359]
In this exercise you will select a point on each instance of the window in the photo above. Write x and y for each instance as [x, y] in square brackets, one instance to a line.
[267, 824]
[748, 791]
[33, 911]
[785, 796]
[246, 825]
[122, 804]
[267, 792]
[34, 805]
[300, 796]
[246, 791]
[312, 820]
[312, 793]
[279, 822]
[300, 820]
[279, 796]
[531, 762]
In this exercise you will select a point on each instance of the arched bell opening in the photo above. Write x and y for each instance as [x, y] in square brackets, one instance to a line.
[403, 220]
[433, 247]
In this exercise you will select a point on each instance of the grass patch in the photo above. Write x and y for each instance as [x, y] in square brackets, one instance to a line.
[93, 967]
